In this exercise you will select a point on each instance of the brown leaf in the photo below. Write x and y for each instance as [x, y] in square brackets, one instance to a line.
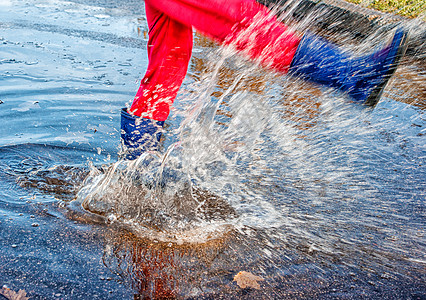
[246, 279]
[12, 295]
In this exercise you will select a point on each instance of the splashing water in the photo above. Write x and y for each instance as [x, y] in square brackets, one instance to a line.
[265, 151]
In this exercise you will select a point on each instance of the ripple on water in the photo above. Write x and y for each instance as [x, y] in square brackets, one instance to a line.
[49, 169]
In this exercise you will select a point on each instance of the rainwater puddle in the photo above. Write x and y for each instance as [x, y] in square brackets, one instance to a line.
[321, 197]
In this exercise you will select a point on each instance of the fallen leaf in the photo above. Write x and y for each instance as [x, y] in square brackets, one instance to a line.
[373, 17]
[12, 295]
[246, 279]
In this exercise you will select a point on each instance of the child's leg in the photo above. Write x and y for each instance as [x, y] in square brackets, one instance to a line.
[244, 24]
[248, 27]
[169, 52]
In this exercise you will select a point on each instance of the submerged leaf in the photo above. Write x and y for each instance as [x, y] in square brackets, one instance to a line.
[246, 279]
[12, 295]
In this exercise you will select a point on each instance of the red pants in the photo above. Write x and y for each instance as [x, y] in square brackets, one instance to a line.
[243, 24]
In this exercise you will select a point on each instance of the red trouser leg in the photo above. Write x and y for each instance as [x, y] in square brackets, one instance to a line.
[242, 24]
[169, 52]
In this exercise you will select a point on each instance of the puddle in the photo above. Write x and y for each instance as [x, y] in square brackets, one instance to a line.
[321, 197]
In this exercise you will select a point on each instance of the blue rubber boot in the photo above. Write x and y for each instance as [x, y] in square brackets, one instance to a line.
[139, 135]
[362, 78]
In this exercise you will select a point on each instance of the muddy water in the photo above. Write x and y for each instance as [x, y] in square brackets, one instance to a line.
[321, 197]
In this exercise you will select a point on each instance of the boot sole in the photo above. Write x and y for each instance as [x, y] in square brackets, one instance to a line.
[376, 93]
